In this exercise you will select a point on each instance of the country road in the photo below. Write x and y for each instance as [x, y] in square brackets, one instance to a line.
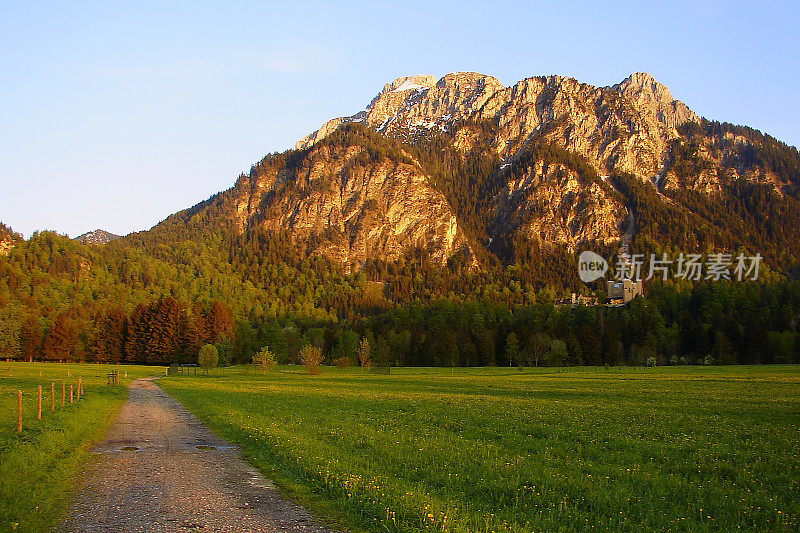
[160, 469]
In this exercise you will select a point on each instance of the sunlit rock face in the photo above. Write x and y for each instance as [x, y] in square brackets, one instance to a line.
[340, 200]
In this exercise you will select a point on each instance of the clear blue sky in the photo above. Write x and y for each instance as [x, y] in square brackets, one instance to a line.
[115, 116]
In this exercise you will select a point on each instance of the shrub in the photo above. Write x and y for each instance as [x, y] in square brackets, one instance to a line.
[342, 362]
[311, 356]
[651, 361]
[208, 357]
[265, 360]
[224, 350]
[363, 353]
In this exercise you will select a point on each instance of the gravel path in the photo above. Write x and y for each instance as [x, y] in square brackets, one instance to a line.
[160, 469]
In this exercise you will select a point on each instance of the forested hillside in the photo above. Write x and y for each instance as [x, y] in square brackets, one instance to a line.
[61, 300]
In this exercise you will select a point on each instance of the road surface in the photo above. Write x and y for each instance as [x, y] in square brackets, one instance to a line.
[160, 469]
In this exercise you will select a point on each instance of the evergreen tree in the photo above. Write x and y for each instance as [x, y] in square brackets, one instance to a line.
[219, 321]
[512, 349]
[9, 333]
[110, 339]
[346, 346]
[30, 340]
[57, 341]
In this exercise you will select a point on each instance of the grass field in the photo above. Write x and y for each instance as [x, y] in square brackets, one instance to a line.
[689, 448]
[39, 467]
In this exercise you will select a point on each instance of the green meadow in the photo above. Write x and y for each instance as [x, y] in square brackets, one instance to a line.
[677, 448]
[40, 467]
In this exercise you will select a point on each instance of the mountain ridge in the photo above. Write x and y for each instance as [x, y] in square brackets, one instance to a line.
[464, 165]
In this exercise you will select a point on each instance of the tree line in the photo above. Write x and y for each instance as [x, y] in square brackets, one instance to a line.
[719, 323]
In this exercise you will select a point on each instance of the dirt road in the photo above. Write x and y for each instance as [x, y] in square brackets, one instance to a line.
[160, 469]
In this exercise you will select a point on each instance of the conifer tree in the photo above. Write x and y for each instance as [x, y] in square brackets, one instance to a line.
[30, 340]
[57, 342]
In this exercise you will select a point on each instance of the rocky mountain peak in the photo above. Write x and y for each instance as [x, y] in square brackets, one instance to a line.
[410, 105]
[574, 114]
[97, 236]
[654, 98]
[642, 83]
[409, 83]
[468, 80]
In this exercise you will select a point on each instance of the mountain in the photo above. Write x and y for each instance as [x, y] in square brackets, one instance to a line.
[97, 236]
[466, 167]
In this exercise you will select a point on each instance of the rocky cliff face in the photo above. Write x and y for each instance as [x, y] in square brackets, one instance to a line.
[8, 239]
[554, 204]
[350, 205]
[6, 244]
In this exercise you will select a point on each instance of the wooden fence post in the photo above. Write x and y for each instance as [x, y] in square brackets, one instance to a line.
[79, 389]
[63, 393]
[39, 403]
[19, 411]
[70, 394]
[52, 397]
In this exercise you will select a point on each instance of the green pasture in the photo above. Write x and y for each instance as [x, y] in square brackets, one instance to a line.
[677, 448]
[39, 467]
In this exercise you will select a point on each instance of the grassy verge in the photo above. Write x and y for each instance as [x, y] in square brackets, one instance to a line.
[696, 449]
[39, 467]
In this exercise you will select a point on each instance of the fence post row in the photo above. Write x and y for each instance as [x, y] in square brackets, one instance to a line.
[77, 389]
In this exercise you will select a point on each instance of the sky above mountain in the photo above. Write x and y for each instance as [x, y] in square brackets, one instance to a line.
[116, 117]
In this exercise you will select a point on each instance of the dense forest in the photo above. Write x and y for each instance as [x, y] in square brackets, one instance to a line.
[61, 300]
[155, 297]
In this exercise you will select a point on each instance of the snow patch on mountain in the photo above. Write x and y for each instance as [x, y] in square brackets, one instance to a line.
[408, 85]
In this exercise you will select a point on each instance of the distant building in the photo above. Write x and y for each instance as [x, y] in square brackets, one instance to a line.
[583, 299]
[578, 299]
[622, 292]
